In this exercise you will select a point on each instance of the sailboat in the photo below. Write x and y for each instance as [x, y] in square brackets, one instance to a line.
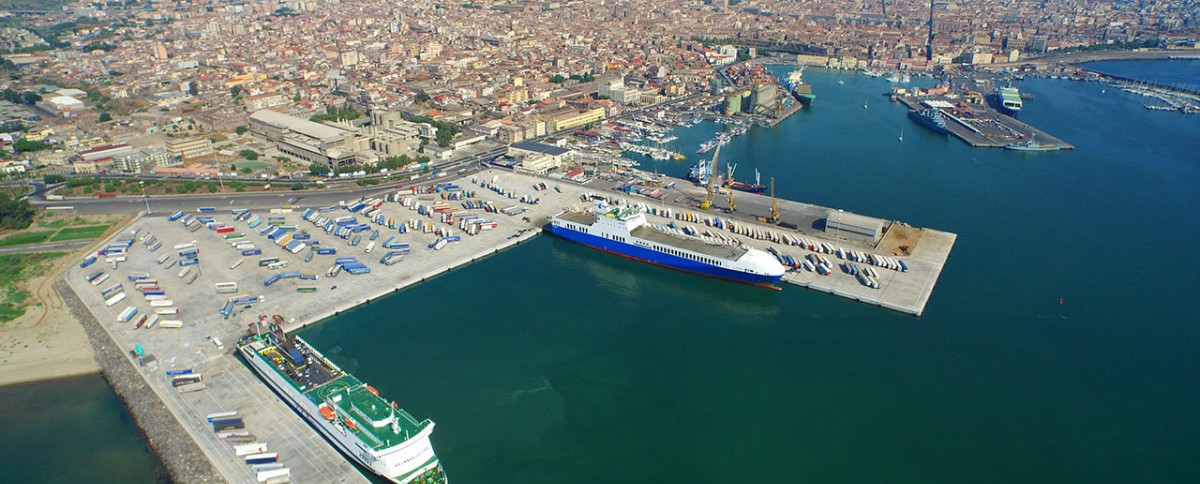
[864, 104]
[901, 134]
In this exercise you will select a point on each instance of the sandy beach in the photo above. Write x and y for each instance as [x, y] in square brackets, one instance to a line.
[47, 342]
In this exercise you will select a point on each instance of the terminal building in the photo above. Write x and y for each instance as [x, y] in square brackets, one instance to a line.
[335, 146]
[851, 226]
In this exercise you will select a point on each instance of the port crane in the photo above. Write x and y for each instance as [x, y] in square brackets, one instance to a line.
[712, 176]
[774, 210]
[732, 207]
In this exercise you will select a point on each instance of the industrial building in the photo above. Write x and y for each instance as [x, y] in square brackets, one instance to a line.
[189, 148]
[335, 146]
[851, 226]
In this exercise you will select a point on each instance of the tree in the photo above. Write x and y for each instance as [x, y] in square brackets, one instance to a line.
[241, 129]
[26, 145]
[249, 154]
[558, 79]
[421, 96]
[318, 169]
[30, 97]
[105, 117]
[194, 88]
[54, 178]
[246, 170]
[235, 91]
[14, 213]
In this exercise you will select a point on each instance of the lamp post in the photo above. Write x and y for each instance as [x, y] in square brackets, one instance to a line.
[145, 198]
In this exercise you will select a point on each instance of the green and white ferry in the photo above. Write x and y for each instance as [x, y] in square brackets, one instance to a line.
[376, 433]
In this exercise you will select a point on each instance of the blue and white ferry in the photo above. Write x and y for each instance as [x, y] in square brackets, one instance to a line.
[623, 231]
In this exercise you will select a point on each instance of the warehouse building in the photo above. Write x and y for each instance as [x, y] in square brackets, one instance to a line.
[853, 226]
[335, 146]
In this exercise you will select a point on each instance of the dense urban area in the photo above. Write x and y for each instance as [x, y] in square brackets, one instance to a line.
[209, 88]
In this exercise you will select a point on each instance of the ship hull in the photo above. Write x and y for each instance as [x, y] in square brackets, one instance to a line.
[661, 259]
[926, 122]
[311, 414]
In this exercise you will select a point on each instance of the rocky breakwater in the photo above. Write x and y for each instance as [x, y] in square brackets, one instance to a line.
[176, 451]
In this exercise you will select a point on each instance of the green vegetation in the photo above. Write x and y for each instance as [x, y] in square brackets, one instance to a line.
[241, 129]
[23, 97]
[104, 117]
[76, 233]
[392, 163]
[445, 129]
[26, 145]
[318, 169]
[235, 91]
[421, 96]
[558, 79]
[14, 213]
[23, 238]
[249, 154]
[15, 268]
[346, 111]
[54, 178]
[585, 77]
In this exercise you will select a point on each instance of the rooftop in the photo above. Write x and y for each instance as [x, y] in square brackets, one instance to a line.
[299, 125]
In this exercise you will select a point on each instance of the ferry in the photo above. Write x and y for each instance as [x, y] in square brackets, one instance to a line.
[624, 231]
[1010, 100]
[350, 414]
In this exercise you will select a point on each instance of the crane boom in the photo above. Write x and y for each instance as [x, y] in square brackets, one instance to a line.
[712, 176]
[774, 211]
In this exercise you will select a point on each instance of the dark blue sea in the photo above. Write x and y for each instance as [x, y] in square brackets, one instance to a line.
[552, 363]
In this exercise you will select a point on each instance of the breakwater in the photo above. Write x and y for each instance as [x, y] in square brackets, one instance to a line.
[168, 440]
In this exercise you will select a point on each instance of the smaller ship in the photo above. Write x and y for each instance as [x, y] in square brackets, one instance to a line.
[798, 88]
[756, 187]
[1031, 146]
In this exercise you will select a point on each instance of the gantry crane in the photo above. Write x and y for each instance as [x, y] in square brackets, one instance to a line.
[774, 211]
[712, 180]
[729, 180]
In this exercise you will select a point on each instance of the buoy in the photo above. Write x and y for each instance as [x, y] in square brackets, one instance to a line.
[1060, 301]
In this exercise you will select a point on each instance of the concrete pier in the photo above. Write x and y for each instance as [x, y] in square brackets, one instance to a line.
[232, 387]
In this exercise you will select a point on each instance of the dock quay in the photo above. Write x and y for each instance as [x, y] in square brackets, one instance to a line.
[236, 261]
[983, 127]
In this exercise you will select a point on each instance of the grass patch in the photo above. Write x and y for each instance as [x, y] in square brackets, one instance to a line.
[18, 268]
[53, 224]
[76, 233]
[22, 238]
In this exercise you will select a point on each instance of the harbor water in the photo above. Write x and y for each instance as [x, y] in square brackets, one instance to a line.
[71, 430]
[1056, 347]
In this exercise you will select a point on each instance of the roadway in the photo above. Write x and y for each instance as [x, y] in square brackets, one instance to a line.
[68, 246]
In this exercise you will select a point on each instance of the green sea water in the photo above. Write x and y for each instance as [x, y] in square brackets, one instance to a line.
[555, 363]
[70, 430]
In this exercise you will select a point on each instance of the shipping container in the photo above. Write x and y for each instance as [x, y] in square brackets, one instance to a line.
[166, 311]
[116, 298]
[170, 323]
[226, 287]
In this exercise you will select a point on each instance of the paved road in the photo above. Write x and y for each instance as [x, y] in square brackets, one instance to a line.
[67, 246]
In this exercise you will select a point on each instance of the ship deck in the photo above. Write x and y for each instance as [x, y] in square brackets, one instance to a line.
[581, 218]
[726, 252]
[322, 383]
